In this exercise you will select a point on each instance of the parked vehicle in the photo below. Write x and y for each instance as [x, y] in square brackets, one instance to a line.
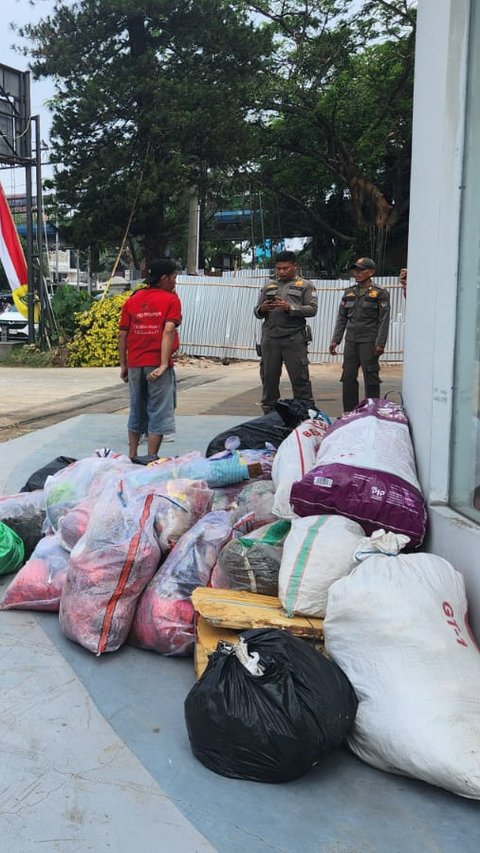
[13, 324]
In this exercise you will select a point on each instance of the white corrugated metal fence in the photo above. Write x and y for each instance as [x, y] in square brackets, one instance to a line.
[218, 319]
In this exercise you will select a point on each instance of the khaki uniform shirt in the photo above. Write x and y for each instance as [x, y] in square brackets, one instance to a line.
[364, 313]
[300, 294]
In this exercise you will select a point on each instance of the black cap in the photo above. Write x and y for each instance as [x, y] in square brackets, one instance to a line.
[364, 264]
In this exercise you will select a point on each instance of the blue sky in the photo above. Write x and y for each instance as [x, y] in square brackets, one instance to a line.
[22, 12]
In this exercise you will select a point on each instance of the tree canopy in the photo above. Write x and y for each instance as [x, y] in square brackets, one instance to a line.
[337, 125]
[147, 97]
[308, 101]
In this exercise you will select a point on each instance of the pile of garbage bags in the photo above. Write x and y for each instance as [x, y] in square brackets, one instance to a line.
[328, 517]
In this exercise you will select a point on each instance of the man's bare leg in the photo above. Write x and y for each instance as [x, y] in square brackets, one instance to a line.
[154, 442]
[133, 439]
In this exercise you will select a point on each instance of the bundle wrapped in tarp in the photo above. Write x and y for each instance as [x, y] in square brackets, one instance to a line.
[365, 470]
[296, 455]
[252, 562]
[397, 625]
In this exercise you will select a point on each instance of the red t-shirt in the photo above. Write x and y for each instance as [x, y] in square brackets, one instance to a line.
[144, 316]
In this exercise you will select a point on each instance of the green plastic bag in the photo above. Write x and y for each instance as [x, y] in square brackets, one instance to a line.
[12, 551]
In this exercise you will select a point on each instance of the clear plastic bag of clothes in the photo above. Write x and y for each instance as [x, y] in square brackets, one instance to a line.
[164, 619]
[255, 493]
[193, 466]
[182, 503]
[24, 513]
[252, 562]
[262, 457]
[110, 567]
[65, 489]
[39, 583]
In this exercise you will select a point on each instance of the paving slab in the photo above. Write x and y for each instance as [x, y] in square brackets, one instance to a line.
[69, 782]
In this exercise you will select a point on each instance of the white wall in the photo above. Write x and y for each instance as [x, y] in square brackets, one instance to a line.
[440, 72]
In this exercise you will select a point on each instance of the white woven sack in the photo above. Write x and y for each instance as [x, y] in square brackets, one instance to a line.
[295, 456]
[397, 627]
[318, 551]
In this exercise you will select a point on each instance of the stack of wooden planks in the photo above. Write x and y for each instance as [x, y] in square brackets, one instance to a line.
[222, 614]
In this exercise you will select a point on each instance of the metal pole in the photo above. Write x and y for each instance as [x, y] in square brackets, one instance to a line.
[26, 149]
[29, 254]
[89, 271]
[57, 246]
[38, 169]
[193, 232]
[252, 226]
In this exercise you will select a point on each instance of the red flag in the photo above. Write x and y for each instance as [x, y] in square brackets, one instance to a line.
[11, 252]
[12, 255]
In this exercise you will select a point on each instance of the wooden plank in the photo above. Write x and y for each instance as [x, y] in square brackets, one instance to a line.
[206, 642]
[239, 610]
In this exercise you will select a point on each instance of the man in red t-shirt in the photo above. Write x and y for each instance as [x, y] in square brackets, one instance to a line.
[147, 338]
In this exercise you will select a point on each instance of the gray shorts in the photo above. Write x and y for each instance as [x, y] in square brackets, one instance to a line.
[152, 404]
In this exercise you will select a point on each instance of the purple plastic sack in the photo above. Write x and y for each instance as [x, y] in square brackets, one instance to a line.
[365, 470]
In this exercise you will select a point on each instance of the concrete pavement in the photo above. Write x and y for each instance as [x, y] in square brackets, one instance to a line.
[37, 397]
[95, 755]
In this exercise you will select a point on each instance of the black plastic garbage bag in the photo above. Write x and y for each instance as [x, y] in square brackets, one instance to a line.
[293, 412]
[253, 434]
[271, 727]
[37, 479]
[271, 428]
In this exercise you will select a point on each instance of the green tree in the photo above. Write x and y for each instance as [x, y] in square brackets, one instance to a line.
[338, 128]
[149, 96]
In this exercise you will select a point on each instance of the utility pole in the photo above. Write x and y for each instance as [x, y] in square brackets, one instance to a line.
[193, 231]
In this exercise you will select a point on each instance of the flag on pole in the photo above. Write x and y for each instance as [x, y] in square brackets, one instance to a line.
[12, 256]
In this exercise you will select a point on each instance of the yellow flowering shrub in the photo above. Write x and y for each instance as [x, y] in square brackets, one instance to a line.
[95, 343]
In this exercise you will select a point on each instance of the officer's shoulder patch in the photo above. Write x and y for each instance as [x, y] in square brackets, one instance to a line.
[373, 293]
[350, 293]
[299, 282]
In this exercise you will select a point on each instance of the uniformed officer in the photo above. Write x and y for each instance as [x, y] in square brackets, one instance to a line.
[283, 304]
[364, 316]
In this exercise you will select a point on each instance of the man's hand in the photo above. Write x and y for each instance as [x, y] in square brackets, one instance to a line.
[379, 350]
[282, 304]
[332, 348]
[155, 374]
[267, 306]
[124, 374]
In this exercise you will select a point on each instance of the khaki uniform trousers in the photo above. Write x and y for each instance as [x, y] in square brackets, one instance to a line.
[291, 351]
[356, 355]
